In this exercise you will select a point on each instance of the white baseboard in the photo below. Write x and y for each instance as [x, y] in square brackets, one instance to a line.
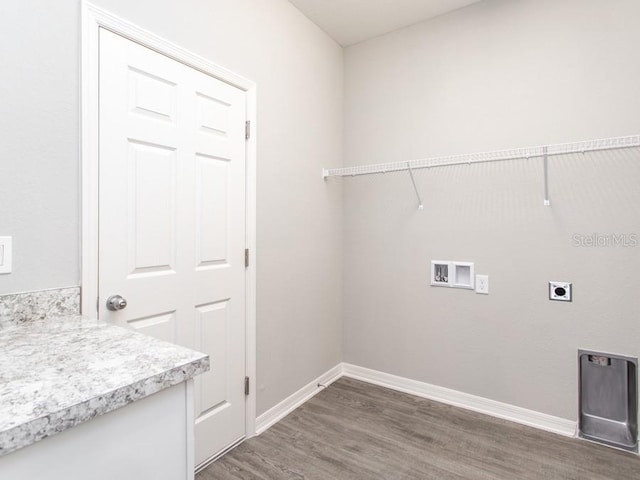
[289, 404]
[467, 401]
[463, 400]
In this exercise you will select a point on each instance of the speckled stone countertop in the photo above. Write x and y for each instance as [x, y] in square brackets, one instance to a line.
[57, 373]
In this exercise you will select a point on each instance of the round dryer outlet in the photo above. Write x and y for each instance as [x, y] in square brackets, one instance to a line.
[560, 291]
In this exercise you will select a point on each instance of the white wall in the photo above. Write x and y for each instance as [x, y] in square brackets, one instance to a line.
[498, 74]
[299, 73]
[39, 189]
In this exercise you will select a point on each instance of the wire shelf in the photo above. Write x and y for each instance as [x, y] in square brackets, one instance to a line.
[485, 157]
[543, 151]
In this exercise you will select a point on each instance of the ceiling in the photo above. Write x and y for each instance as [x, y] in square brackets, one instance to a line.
[353, 21]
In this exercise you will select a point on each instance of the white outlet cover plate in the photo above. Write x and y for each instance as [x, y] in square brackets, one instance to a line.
[561, 291]
[5, 254]
[482, 284]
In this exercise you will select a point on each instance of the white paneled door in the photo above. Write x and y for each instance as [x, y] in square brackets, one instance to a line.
[172, 219]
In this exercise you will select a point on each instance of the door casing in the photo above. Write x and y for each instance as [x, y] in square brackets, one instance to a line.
[93, 18]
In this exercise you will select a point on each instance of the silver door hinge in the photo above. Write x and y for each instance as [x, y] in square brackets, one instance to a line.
[247, 130]
[246, 385]
[246, 257]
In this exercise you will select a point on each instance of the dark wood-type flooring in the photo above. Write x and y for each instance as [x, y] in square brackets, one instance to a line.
[353, 430]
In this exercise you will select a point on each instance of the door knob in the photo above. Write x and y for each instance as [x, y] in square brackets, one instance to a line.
[115, 303]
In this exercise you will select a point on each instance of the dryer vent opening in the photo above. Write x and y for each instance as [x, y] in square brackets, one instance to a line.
[608, 399]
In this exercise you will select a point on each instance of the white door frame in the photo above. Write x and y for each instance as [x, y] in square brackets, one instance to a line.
[94, 18]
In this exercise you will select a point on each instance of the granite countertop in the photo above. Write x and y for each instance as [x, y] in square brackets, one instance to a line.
[60, 372]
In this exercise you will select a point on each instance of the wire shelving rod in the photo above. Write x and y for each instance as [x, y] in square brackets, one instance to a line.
[542, 151]
[484, 157]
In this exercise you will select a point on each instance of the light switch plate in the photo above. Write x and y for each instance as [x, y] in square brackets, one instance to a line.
[5, 254]
[482, 284]
[560, 291]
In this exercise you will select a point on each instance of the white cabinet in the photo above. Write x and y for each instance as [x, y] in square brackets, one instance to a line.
[151, 439]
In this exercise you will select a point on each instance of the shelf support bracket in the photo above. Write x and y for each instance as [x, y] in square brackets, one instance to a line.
[545, 159]
[413, 180]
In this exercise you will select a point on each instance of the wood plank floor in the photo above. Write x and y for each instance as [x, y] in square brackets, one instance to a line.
[353, 430]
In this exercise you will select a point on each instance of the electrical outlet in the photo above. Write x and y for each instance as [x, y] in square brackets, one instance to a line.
[560, 291]
[482, 284]
[5, 254]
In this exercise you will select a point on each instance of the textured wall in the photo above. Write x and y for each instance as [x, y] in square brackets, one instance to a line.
[39, 189]
[495, 75]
